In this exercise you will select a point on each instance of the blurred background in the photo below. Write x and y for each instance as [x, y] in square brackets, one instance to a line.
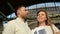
[7, 8]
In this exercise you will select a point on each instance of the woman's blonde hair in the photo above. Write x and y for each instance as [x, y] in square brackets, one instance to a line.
[48, 21]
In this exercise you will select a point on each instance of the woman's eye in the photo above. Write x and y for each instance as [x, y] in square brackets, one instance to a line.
[42, 14]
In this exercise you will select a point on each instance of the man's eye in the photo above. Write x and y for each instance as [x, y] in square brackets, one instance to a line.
[26, 10]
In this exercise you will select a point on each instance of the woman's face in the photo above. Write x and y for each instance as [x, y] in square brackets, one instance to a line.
[41, 17]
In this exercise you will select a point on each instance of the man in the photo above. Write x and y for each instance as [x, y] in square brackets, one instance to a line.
[18, 26]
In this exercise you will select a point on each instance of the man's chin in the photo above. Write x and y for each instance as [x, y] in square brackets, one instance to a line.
[24, 17]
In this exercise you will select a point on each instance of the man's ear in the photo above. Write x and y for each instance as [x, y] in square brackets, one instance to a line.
[17, 12]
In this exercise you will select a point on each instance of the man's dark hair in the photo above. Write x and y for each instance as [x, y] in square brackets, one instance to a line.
[17, 7]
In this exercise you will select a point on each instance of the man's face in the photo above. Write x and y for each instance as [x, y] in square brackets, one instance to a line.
[23, 12]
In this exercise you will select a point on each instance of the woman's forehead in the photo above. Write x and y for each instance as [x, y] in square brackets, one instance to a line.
[42, 12]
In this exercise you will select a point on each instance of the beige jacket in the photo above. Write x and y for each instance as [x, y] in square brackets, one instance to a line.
[17, 26]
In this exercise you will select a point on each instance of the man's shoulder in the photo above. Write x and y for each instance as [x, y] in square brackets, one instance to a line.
[12, 21]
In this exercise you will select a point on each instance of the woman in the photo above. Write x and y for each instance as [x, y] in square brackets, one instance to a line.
[45, 26]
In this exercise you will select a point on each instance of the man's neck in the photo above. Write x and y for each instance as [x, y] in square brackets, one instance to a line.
[20, 17]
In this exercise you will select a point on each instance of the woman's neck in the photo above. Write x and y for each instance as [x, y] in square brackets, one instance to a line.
[42, 24]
